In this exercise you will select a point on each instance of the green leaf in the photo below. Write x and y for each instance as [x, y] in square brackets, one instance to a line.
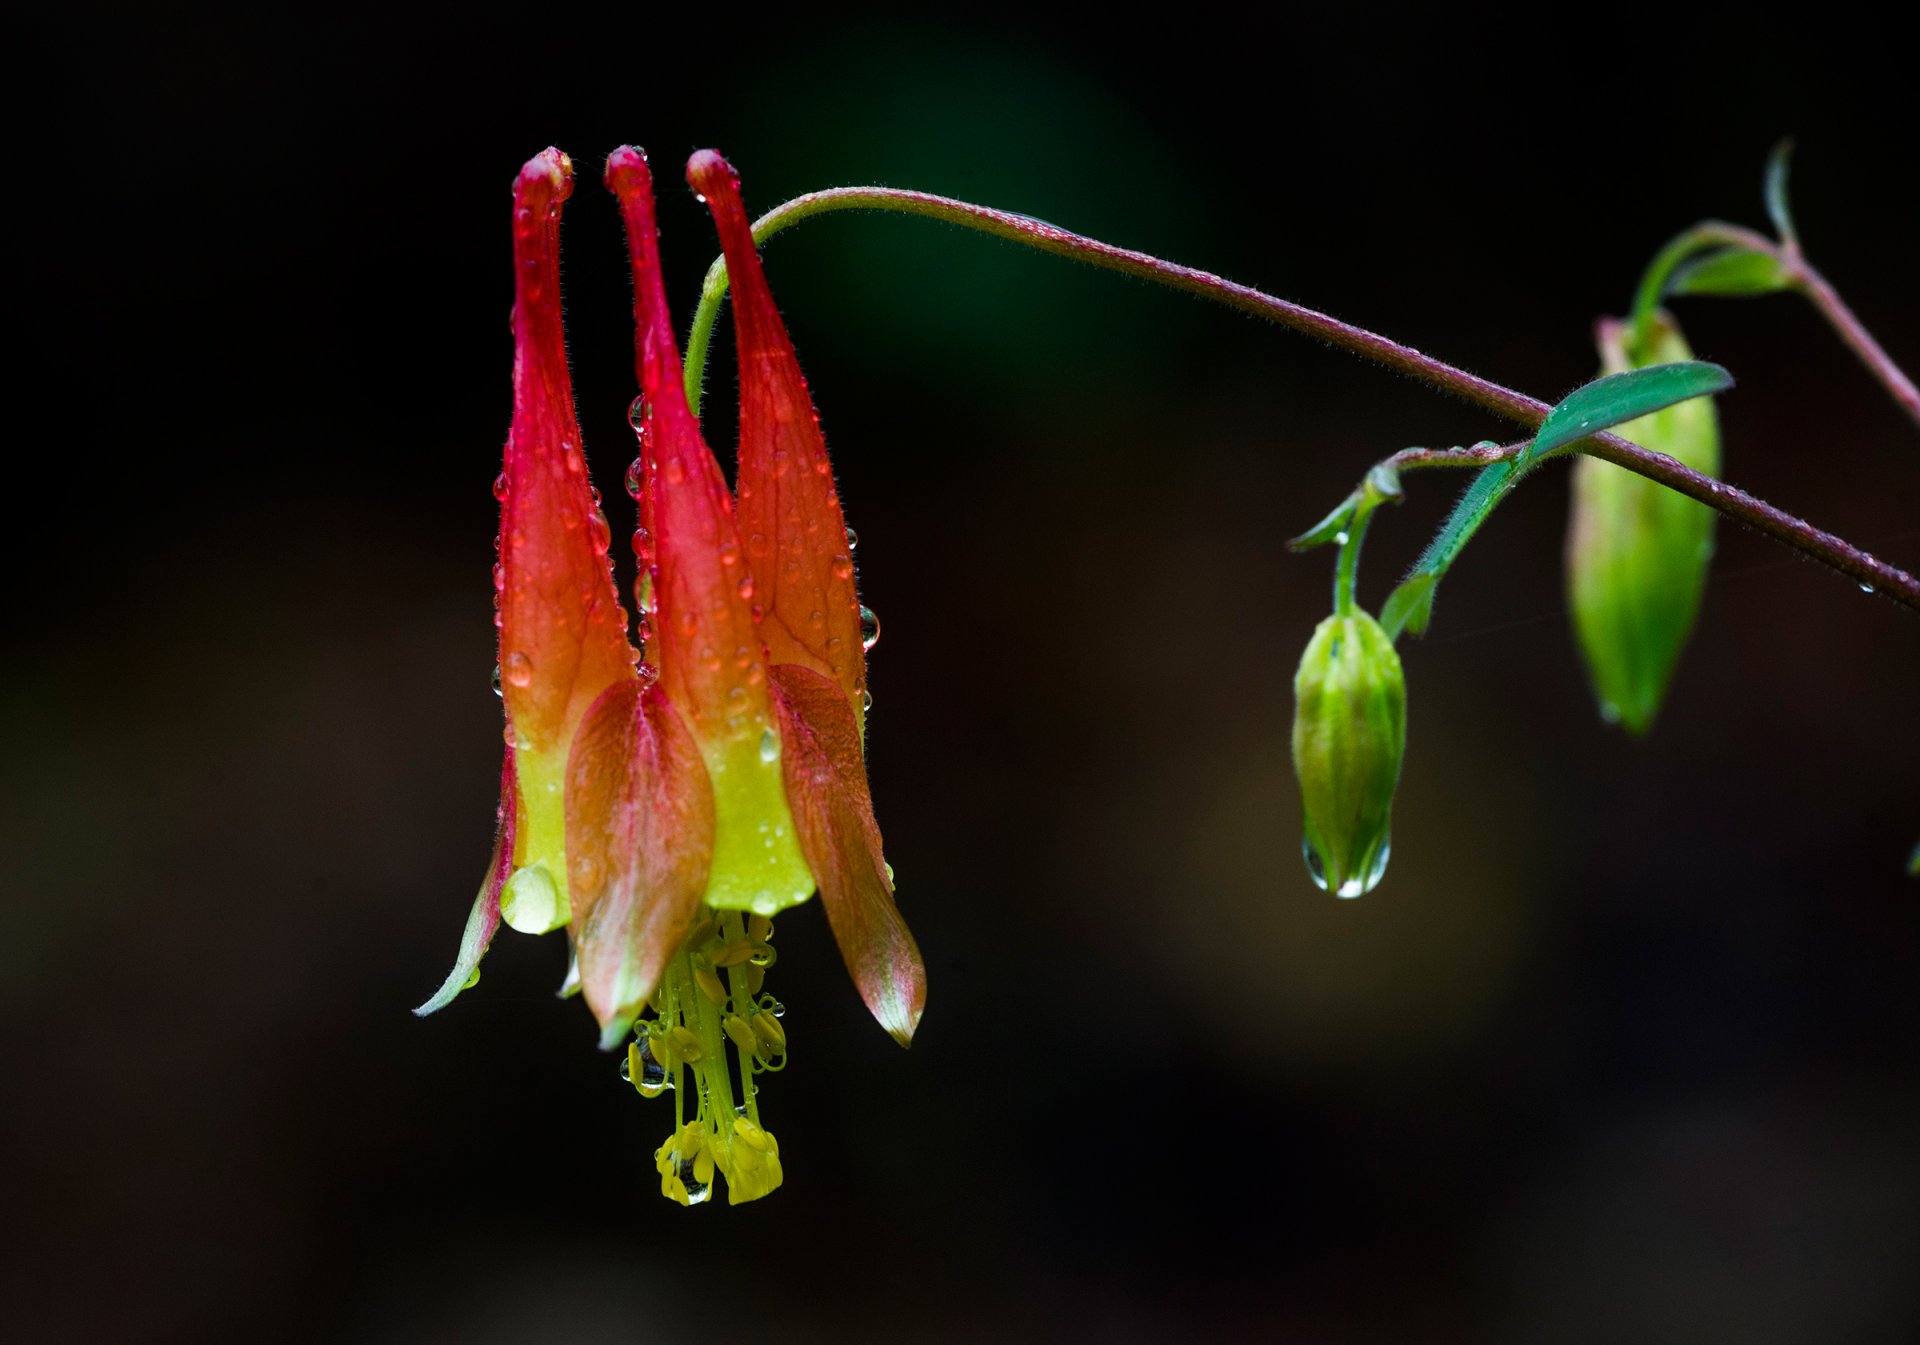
[1776, 189]
[1328, 530]
[1618, 398]
[1410, 606]
[1731, 273]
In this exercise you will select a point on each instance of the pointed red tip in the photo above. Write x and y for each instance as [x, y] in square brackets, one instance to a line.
[626, 169]
[709, 174]
[546, 178]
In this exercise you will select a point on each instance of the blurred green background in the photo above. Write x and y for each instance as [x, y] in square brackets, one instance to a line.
[1626, 1047]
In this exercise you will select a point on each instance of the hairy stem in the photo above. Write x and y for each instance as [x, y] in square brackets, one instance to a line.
[1841, 318]
[1849, 560]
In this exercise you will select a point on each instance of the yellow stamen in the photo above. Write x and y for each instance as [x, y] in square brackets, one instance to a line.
[741, 1035]
[710, 984]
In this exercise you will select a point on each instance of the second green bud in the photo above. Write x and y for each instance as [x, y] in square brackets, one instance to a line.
[1637, 552]
[1349, 734]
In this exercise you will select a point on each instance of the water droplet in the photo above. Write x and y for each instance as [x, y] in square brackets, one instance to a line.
[697, 1194]
[598, 530]
[518, 669]
[1866, 588]
[843, 567]
[769, 746]
[1609, 712]
[655, 1078]
[636, 478]
[500, 484]
[638, 414]
[496, 681]
[1371, 870]
[1340, 538]
[746, 587]
[869, 628]
[853, 539]
[866, 700]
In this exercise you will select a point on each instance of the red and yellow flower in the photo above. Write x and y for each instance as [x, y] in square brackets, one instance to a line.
[664, 800]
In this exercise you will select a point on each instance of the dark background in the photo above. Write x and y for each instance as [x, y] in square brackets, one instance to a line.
[1627, 1046]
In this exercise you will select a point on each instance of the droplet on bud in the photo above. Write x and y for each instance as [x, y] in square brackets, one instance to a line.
[1349, 734]
[869, 628]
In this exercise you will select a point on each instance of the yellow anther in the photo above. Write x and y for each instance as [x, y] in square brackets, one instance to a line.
[702, 934]
[756, 977]
[733, 954]
[687, 1046]
[759, 928]
[772, 1037]
[674, 1189]
[703, 1167]
[742, 1036]
[710, 984]
[747, 1132]
[660, 1046]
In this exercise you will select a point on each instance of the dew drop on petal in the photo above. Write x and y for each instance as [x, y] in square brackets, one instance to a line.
[853, 539]
[517, 670]
[869, 628]
[500, 484]
[843, 567]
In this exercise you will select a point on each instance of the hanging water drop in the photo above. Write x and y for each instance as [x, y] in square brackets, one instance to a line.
[636, 478]
[638, 414]
[769, 746]
[496, 681]
[500, 484]
[869, 628]
[853, 539]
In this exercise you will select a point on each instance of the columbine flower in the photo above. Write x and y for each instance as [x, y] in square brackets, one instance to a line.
[666, 811]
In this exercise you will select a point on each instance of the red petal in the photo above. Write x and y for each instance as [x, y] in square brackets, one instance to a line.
[485, 917]
[789, 511]
[826, 780]
[639, 836]
[563, 634]
[711, 660]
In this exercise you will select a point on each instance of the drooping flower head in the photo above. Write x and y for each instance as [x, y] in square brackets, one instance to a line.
[666, 812]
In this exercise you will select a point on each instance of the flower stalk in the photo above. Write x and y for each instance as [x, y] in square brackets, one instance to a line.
[1863, 568]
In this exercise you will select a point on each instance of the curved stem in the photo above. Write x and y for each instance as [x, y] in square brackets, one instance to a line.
[1653, 282]
[1849, 560]
[1824, 297]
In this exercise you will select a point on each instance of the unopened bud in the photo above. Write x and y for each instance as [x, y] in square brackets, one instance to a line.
[1349, 733]
[1637, 552]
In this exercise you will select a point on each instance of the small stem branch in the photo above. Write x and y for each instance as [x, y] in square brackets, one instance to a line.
[1480, 455]
[1515, 406]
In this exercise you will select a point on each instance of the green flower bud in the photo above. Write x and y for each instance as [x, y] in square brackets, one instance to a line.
[1349, 733]
[1637, 552]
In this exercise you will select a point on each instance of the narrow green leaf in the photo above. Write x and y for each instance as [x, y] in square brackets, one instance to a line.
[1731, 273]
[1618, 398]
[1330, 529]
[1410, 606]
[1777, 164]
